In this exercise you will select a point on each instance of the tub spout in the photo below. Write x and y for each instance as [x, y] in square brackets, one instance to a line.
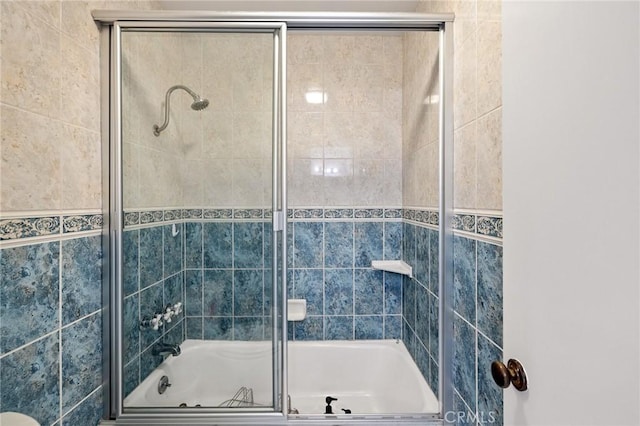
[166, 349]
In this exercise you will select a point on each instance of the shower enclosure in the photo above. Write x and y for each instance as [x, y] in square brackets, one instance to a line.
[259, 158]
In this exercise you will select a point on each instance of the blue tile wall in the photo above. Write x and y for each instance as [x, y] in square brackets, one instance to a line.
[464, 272]
[30, 380]
[477, 326]
[490, 291]
[88, 412]
[228, 292]
[227, 286]
[220, 270]
[464, 360]
[148, 288]
[420, 300]
[218, 245]
[172, 253]
[150, 255]
[331, 268]
[309, 285]
[130, 262]
[338, 291]
[81, 360]
[307, 244]
[29, 284]
[81, 277]
[338, 244]
[51, 331]
[248, 245]
[193, 245]
[217, 293]
[228, 279]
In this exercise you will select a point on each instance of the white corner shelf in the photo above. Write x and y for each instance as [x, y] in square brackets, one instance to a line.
[397, 266]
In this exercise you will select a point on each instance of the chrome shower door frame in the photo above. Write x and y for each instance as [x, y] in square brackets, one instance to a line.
[113, 156]
[279, 22]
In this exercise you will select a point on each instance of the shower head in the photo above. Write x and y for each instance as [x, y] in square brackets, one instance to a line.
[198, 105]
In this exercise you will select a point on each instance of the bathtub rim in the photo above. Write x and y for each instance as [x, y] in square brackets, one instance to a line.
[393, 347]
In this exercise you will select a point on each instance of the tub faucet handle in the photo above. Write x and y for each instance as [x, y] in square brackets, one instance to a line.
[328, 409]
[168, 313]
[156, 321]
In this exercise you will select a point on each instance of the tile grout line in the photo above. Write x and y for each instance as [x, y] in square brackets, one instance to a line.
[138, 295]
[56, 119]
[81, 402]
[60, 379]
[233, 282]
[353, 266]
[202, 280]
[475, 256]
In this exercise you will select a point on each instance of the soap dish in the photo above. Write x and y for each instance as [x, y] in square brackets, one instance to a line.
[296, 309]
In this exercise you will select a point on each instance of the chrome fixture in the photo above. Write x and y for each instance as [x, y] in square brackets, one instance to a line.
[166, 349]
[291, 410]
[163, 384]
[156, 321]
[198, 105]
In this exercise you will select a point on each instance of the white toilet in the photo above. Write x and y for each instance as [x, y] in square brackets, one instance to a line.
[16, 419]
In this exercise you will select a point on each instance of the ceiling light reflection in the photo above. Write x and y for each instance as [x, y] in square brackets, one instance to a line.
[316, 97]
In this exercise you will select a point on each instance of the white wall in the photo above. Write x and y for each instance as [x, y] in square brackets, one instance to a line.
[571, 206]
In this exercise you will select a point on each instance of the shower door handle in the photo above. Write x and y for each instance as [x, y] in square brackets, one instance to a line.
[512, 373]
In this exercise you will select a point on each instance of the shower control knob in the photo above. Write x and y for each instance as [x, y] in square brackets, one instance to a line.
[156, 322]
[512, 373]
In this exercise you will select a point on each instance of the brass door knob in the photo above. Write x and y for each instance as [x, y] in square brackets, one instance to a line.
[512, 373]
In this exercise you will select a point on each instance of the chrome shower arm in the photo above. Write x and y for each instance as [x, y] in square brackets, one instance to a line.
[167, 99]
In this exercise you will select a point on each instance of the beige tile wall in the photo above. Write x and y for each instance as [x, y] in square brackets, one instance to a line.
[346, 150]
[218, 157]
[50, 104]
[420, 120]
[477, 101]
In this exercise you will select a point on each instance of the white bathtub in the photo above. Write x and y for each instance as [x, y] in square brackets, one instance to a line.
[367, 377]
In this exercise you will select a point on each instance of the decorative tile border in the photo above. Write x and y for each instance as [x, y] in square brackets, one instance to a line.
[172, 215]
[489, 225]
[338, 213]
[131, 218]
[192, 213]
[368, 213]
[479, 224]
[393, 213]
[248, 213]
[428, 217]
[12, 229]
[79, 223]
[30, 227]
[217, 214]
[464, 222]
[308, 213]
[151, 217]
[46, 226]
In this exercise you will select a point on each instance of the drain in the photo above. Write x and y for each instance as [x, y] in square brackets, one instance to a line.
[183, 405]
[163, 384]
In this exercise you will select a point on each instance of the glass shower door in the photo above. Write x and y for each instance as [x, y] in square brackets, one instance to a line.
[199, 145]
